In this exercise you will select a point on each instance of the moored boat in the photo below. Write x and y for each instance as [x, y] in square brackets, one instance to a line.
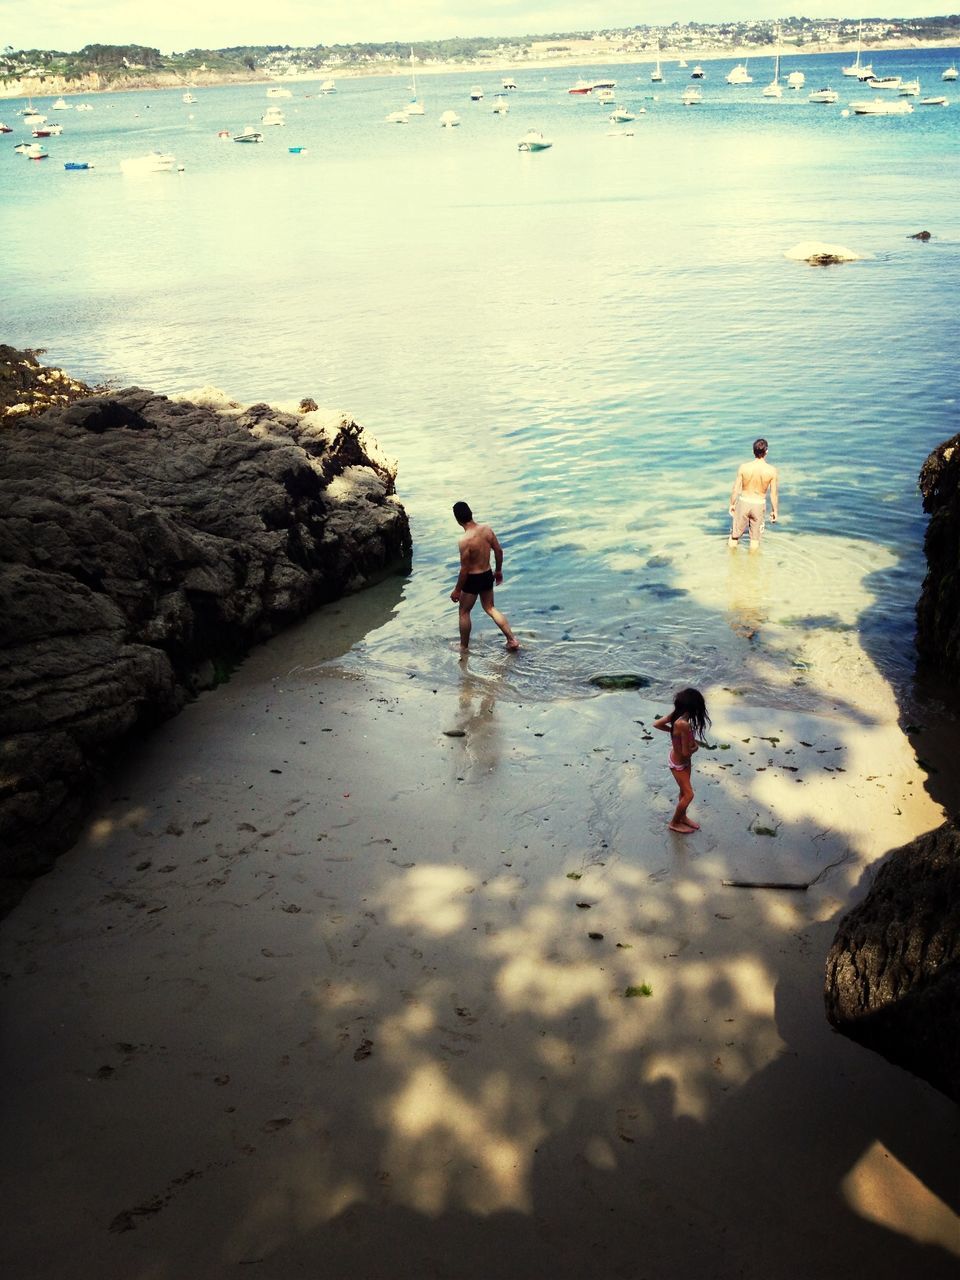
[501, 106]
[5, 128]
[796, 80]
[476, 94]
[33, 151]
[697, 72]
[882, 107]
[273, 116]
[621, 115]
[582, 87]
[48, 131]
[449, 120]
[152, 162]
[533, 140]
[909, 89]
[823, 95]
[936, 100]
[397, 117]
[508, 82]
[77, 164]
[278, 91]
[188, 98]
[691, 96]
[884, 82]
[60, 105]
[328, 86]
[951, 72]
[739, 75]
[248, 134]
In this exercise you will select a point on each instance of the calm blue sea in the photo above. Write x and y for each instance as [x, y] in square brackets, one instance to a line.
[581, 343]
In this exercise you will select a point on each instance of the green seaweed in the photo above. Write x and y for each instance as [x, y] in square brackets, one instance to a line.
[644, 989]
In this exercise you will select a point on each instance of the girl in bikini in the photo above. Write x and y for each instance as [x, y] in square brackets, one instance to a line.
[686, 724]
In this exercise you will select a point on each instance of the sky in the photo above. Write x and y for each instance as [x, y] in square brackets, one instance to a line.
[176, 25]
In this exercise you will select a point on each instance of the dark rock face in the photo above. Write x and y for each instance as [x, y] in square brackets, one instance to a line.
[893, 972]
[143, 543]
[938, 610]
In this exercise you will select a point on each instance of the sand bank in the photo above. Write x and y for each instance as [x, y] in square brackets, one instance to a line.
[335, 984]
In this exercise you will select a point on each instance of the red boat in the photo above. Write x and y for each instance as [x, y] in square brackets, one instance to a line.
[582, 86]
[5, 128]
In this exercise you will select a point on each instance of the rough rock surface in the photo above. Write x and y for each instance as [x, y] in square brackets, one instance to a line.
[146, 544]
[938, 610]
[893, 972]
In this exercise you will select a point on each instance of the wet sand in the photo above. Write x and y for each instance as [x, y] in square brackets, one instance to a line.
[335, 985]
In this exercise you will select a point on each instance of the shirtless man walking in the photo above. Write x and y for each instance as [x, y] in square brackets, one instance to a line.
[748, 501]
[476, 578]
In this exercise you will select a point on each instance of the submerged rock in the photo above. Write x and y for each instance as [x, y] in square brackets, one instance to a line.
[145, 545]
[628, 680]
[893, 972]
[821, 255]
[920, 235]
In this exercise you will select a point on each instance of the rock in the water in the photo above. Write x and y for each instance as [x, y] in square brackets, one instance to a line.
[938, 609]
[821, 255]
[628, 680]
[145, 543]
[920, 235]
[893, 972]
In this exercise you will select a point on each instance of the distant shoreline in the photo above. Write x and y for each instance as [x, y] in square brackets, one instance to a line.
[577, 58]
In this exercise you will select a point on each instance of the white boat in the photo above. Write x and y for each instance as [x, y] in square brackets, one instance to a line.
[682, 62]
[885, 82]
[48, 131]
[621, 115]
[775, 89]
[533, 141]
[697, 73]
[152, 162]
[60, 105]
[23, 147]
[606, 96]
[449, 120]
[938, 100]
[656, 75]
[34, 151]
[865, 72]
[397, 117]
[823, 95]
[501, 106]
[188, 98]
[83, 106]
[739, 75]
[691, 96]
[909, 89]
[328, 86]
[273, 116]
[604, 84]
[854, 68]
[476, 94]
[248, 134]
[582, 87]
[951, 72]
[414, 107]
[508, 82]
[882, 107]
[796, 80]
[278, 91]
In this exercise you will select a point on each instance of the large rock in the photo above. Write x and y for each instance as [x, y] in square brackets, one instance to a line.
[145, 545]
[938, 610]
[893, 972]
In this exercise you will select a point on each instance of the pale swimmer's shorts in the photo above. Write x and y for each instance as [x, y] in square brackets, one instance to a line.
[749, 513]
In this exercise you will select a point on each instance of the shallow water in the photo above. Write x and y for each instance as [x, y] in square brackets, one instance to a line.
[581, 343]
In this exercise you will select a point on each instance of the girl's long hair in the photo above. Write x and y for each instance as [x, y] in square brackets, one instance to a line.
[690, 703]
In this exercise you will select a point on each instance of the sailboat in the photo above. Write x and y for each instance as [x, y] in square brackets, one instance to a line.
[775, 89]
[854, 68]
[414, 107]
[657, 75]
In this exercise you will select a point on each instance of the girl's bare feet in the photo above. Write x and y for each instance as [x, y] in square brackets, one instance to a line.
[681, 828]
[689, 822]
[513, 645]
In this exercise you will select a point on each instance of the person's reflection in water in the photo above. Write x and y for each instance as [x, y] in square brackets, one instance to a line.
[477, 704]
[747, 596]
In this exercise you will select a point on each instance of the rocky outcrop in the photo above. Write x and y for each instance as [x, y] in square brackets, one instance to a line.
[819, 254]
[893, 972]
[938, 610]
[145, 545]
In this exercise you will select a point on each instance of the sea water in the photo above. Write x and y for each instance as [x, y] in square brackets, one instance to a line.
[582, 343]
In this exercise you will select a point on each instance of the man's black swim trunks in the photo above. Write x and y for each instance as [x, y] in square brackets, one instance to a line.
[477, 582]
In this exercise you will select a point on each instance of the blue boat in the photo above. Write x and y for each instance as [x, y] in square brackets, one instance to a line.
[77, 164]
[295, 151]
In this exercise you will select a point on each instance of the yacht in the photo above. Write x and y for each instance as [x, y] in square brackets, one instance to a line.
[397, 117]
[533, 140]
[854, 68]
[937, 100]
[84, 106]
[775, 89]
[824, 95]
[248, 134]
[909, 88]
[691, 96]
[5, 128]
[606, 96]
[621, 115]
[476, 94]
[656, 75]
[739, 75]
[885, 82]
[60, 105]
[277, 91]
[508, 82]
[697, 73]
[865, 72]
[34, 151]
[273, 115]
[951, 72]
[188, 98]
[328, 86]
[682, 62]
[882, 107]
[796, 79]
[152, 162]
[48, 131]
[501, 106]
[581, 87]
[449, 120]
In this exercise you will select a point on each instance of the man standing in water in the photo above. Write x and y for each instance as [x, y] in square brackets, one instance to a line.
[476, 578]
[748, 502]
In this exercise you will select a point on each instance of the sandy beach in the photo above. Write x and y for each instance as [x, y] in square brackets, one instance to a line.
[335, 984]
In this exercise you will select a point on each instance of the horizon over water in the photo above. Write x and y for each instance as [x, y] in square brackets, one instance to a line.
[583, 344]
